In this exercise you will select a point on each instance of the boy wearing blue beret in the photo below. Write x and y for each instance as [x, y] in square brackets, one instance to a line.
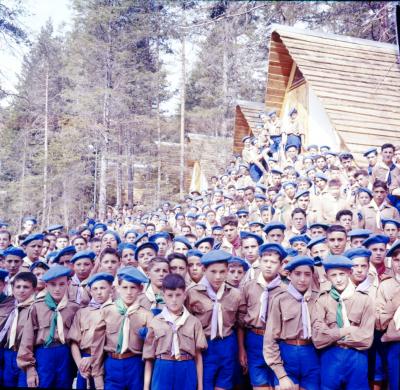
[287, 341]
[174, 343]
[256, 297]
[43, 353]
[80, 335]
[216, 304]
[343, 328]
[237, 268]
[119, 335]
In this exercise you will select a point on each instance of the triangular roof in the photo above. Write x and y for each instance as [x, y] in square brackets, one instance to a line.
[356, 80]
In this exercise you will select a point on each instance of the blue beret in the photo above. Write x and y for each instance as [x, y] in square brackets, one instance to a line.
[130, 231]
[291, 252]
[267, 208]
[243, 165]
[334, 261]
[330, 153]
[318, 224]
[376, 239]
[245, 138]
[244, 235]
[115, 234]
[301, 237]
[194, 252]
[305, 178]
[321, 176]
[292, 111]
[68, 250]
[132, 275]
[216, 227]
[357, 252]
[148, 244]
[100, 276]
[297, 261]
[242, 212]
[256, 223]
[289, 183]
[40, 264]
[271, 113]
[158, 235]
[288, 146]
[277, 171]
[393, 221]
[55, 227]
[86, 254]
[2, 252]
[179, 215]
[312, 168]
[101, 226]
[366, 190]
[316, 241]
[274, 225]
[202, 225]
[301, 193]
[312, 146]
[394, 248]
[215, 256]
[140, 237]
[12, 250]
[218, 206]
[273, 159]
[228, 196]
[272, 246]
[369, 151]
[325, 146]
[3, 274]
[191, 215]
[3, 224]
[209, 239]
[51, 255]
[262, 187]
[260, 196]
[184, 241]
[240, 261]
[33, 237]
[345, 155]
[30, 218]
[126, 245]
[56, 271]
[362, 233]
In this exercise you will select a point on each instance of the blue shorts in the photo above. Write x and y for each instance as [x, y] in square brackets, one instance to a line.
[219, 363]
[393, 364]
[260, 373]
[174, 375]
[344, 368]
[301, 363]
[123, 374]
[13, 375]
[54, 367]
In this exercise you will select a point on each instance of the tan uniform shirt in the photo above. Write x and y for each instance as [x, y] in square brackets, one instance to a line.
[73, 292]
[159, 337]
[360, 311]
[22, 318]
[387, 302]
[369, 216]
[37, 329]
[381, 171]
[250, 303]
[201, 306]
[6, 307]
[331, 206]
[284, 323]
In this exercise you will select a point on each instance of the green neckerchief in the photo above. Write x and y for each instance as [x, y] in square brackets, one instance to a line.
[2, 297]
[52, 305]
[159, 299]
[122, 309]
[339, 315]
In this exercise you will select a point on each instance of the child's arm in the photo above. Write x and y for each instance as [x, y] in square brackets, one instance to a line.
[242, 349]
[199, 368]
[148, 371]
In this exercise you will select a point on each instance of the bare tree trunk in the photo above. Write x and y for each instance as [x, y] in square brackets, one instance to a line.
[119, 170]
[224, 127]
[46, 146]
[22, 189]
[129, 172]
[183, 98]
[158, 190]
[102, 185]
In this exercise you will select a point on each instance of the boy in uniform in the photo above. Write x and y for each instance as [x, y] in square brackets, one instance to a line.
[237, 268]
[120, 335]
[288, 347]
[343, 327]
[195, 268]
[216, 305]
[80, 335]
[256, 297]
[13, 263]
[43, 353]
[174, 343]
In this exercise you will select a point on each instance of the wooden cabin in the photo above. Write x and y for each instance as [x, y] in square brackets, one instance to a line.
[346, 90]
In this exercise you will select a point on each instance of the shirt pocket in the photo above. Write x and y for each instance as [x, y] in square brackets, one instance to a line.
[112, 328]
[355, 317]
[186, 341]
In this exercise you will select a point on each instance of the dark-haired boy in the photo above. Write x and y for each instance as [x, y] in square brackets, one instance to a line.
[175, 340]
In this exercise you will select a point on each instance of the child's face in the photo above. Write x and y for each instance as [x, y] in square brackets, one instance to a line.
[235, 274]
[22, 290]
[301, 247]
[174, 300]
[269, 264]
[61, 243]
[12, 264]
[82, 268]
[57, 287]
[157, 273]
[195, 268]
[178, 266]
[101, 291]
[128, 258]
[301, 278]
[129, 292]
[39, 272]
[339, 277]
[145, 256]
[109, 263]
[204, 247]
[216, 274]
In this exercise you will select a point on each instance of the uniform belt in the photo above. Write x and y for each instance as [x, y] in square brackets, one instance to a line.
[121, 356]
[53, 344]
[258, 331]
[165, 356]
[298, 341]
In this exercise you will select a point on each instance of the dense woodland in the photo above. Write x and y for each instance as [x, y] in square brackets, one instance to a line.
[90, 104]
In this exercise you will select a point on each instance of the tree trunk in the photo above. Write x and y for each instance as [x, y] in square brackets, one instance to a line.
[22, 189]
[119, 170]
[158, 190]
[225, 65]
[46, 146]
[102, 185]
[129, 172]
[183, 97]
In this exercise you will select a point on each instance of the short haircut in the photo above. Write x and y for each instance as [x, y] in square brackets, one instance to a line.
[229, 220]
[298, 210]
[173, 282]
[360, 172]
[273, 188]
[6, 232]
[379, 184]
[94, 239]
[151, 224]
[179, 256]
[108, 251]
[336, 228]
[157, 260]
[26, 277]
[79, 237]
[250, 188]
[334, 183]
[341, 213]
[63, 235]
[387, 146]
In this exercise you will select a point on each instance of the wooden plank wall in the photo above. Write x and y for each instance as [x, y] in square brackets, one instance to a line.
[241, 130]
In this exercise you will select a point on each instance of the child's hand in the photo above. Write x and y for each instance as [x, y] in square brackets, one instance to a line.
[84, 364]
[243, 359]
[32, 378]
